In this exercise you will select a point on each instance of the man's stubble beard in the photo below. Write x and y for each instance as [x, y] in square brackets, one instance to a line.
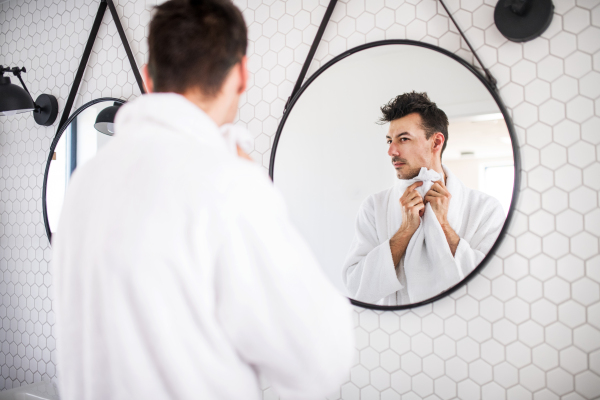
[406, 174]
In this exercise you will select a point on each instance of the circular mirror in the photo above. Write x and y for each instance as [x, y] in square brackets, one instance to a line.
[76, 142]
[349, 149]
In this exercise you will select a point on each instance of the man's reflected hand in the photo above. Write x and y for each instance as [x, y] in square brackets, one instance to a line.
[439, 199]
[412, 207]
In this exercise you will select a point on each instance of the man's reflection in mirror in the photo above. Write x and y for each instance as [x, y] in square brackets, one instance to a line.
[427, 232]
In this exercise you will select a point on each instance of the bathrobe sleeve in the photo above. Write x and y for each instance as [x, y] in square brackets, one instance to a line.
[274, 302]
[368, 272]
[483, 227]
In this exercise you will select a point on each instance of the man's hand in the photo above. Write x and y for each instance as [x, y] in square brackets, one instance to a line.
[241, 153]
[439, 198]
[412, 207]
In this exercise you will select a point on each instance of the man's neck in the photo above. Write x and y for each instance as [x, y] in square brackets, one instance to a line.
[437, 167]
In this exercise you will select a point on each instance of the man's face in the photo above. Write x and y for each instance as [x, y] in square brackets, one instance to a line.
[408, 148]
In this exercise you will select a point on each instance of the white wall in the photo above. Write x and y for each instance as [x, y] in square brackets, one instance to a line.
[332, 154]
[527, 327]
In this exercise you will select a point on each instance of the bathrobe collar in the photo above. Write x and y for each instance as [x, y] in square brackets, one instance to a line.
[169, 111]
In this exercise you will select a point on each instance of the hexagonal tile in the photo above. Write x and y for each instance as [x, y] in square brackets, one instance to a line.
[552, 111]
[411, 363]
[570, 268]
[504, 331]
[456, 369]
[590, 176]
[568, 177]
[573, 360]
[532, 378]
[545, 357]
[587, 40]
[578, 64]
[571, 313]
[559, 381]
[584, 245]
[506, 375]
[587, 383]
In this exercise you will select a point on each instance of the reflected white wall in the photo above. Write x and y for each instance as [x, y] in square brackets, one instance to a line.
[332, 154]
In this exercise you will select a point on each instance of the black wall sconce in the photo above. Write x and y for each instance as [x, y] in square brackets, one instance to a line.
[105, 121]
[523, 20]
[14, 100]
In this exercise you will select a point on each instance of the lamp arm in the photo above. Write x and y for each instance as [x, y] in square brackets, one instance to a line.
[17, 72]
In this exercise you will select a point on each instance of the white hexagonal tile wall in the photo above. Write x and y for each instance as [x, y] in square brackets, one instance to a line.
[518, 331]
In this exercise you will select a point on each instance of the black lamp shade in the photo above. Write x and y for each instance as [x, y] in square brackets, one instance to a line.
[13, 99]
[105, 121]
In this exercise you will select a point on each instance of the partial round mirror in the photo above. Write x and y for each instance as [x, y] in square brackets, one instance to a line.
[348, 156]
[78, 141]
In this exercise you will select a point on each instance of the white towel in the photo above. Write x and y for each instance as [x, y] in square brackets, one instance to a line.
[235, 136]
[429, 265]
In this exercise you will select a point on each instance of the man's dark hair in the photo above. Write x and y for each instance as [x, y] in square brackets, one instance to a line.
[194, 44]
[432, 118]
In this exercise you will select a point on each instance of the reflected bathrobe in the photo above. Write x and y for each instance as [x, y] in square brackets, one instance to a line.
[369, 272]
[177, 273]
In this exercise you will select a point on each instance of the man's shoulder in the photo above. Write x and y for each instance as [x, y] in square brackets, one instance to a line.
[381, 195]
[371, 202]
[482, 200]
[248, 186]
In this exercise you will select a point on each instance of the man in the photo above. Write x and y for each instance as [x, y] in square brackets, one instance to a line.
[177, 272]
[429, 231]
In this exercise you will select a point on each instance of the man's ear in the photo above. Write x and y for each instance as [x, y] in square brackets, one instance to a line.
[243, 70]
[147, 79]
[438, 142]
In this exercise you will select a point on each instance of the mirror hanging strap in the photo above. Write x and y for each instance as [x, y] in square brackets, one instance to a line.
[319, 35]
[86, 55]
[312, 51]
[488, 74]
[125, 42]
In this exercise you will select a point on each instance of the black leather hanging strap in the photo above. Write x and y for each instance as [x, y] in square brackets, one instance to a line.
[488, 74]
[312, 51]
[86, 55]
[82, 64]
[134, 67]
[319, 36]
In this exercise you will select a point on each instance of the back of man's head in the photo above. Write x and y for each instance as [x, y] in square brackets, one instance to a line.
[193, 44]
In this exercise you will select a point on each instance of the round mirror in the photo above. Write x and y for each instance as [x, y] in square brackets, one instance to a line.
[76, 142]
[367, 131]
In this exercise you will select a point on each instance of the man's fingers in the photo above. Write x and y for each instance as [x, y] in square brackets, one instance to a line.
[408, 196]
[421, 209]
[438, 188]
[414, 186]
[414, 202]
[434, 195]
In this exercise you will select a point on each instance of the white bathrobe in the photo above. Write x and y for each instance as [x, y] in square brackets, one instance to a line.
[178, 275]
[427, 267]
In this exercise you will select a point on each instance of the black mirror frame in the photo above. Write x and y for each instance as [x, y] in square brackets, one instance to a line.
[57, 137]
[515, 146]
